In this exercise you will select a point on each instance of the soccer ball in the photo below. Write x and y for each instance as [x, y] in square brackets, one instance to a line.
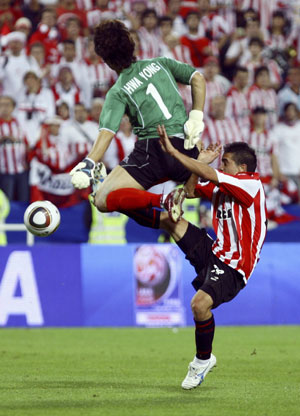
[42, 218]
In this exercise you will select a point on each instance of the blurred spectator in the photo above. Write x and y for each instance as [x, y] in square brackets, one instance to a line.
[100, 76]
[279, 38]
[101, 11]
[78, 68]
[171, 46]
[134, 15]
[24, 25]
[240, 42]
[219, 128]
[261, 141]
[178, 22]
[73, 32]
[290, 93]
[65, 89]
[51, 161]
[32, 9]
[261, 94]
[149, 34]
[14, 64]
[63, 111]
[80, 129]
[8, 16]
[198, 45]
[96, 108]
[216, 84]
[121, 145]
[35, 104]
[37, 56]
[214, 26]
[256, 58]
[264, 9]
[68, 8]
[237, 104]
[47, 34]
[286, 135]
[13, 154]
[138, 51]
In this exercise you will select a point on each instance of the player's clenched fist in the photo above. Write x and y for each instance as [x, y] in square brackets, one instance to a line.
[193, 128]
[83, 174]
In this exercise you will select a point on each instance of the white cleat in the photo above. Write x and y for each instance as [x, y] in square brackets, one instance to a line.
[197, 373]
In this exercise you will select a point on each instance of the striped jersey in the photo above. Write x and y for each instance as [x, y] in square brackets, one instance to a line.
[13, 148]
[267, 98]
[239, 219]
[263, 144]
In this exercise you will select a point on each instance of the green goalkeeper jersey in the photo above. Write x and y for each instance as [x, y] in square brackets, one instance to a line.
[147, 92]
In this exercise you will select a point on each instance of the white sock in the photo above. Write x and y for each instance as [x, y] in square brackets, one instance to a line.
[197, 361]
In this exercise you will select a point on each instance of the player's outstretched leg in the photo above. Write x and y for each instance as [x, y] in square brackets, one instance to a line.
[197, 373]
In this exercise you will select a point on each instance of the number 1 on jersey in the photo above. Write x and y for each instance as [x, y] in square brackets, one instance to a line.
[155, 94]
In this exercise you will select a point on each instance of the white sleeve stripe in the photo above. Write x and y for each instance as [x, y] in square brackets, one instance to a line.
[251, 186]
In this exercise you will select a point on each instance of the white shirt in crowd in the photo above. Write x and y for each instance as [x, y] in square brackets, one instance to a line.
[287, 147]
[74, 132]
[33, 110]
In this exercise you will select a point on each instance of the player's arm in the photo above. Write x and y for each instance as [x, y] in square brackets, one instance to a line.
[110, 119]
[198, 86]
[199, 167]
[101, 144]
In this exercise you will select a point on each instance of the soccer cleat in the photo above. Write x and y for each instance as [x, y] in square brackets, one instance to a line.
[99, 174]
[197, 373]
[173, 204]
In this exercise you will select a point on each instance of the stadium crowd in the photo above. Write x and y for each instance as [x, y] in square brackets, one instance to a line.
[53, 85]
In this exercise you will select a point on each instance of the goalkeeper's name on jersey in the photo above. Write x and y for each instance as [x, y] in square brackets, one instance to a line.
[146, 73]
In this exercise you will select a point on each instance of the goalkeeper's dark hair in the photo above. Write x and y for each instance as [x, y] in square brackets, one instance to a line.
[242, 153]
[114, 44]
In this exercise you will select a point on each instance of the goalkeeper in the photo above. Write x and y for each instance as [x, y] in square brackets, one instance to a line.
[147, 92]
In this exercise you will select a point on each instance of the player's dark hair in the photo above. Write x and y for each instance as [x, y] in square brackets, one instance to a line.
[242, 153]
[259, 70]
[114, 44]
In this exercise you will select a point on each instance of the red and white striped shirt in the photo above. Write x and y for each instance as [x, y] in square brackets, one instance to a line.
[219, 86]
[71, 97]
[265, 9]
[263, 145]
[239, 219]
[223, 132]
[13, 154]
[150, 42]
[237, 107]
[100, 78]
[259, 97]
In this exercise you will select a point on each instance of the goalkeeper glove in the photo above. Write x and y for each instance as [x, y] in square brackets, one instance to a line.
[83, 174]
[193, 128]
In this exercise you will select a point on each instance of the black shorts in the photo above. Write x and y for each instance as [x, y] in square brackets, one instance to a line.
[149, 165]
[214, 277]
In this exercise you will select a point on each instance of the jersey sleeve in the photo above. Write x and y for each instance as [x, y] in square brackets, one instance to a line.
[181, 72]
[112, 112]
[243, 190]
[205, 189]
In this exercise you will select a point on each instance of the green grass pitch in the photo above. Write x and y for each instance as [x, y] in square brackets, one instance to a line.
[138, 372]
